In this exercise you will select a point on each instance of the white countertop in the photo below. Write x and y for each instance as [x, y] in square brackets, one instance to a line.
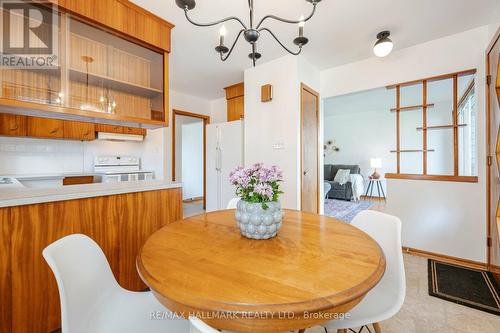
[25, 196]
[49, 176]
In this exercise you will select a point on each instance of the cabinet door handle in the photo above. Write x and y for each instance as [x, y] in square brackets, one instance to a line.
[14, 128]
[55, 130]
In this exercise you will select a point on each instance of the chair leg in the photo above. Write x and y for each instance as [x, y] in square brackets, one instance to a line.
[377, 328]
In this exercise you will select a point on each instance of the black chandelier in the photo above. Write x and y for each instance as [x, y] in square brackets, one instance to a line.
[251, 33]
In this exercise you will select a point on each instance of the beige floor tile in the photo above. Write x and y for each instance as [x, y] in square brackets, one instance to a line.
[423, 313]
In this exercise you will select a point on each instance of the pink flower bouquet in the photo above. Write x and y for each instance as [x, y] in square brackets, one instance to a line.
[257, 184]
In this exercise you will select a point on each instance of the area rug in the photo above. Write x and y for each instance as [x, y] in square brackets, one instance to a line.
[470, 287]
[345, 210]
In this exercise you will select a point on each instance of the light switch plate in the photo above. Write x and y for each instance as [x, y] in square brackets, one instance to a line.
[279, 145]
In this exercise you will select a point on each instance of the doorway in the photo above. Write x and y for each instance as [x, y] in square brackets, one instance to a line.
[309, 138]
[189, 158]
[493, 147]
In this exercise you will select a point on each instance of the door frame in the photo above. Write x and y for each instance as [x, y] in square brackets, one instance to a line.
[206, 121]
[491, 267]
[304, 87]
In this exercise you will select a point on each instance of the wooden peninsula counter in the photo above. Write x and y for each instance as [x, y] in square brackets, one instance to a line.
[119, 217]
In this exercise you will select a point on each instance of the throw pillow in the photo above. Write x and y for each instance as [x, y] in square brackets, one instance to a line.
[342, 176]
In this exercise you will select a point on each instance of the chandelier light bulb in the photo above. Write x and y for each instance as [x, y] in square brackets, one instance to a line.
[223, 30]
[222, 33]
[301, 26]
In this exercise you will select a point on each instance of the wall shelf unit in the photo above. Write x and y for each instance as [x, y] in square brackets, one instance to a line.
[412, 107]
[96, 80]
[412, 151]
[437, 127]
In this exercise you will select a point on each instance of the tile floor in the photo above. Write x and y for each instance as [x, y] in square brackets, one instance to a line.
[423, 313]
[193, 208]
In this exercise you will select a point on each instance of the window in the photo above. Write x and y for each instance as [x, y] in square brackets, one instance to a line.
[436, 136]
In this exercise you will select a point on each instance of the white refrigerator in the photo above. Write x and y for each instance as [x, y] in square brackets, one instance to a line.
[224, 153]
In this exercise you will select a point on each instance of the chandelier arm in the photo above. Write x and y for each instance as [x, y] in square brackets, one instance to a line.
[224, 58]
[209, 24]
[279, 42]
[285, 20]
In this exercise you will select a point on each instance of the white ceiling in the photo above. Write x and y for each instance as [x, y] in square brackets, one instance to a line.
[342, 31]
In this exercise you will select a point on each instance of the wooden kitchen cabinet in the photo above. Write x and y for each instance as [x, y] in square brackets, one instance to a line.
[35, 127]
[12, 125]
[235, 96]
[78, 180]
[77, 130]
[45, 128]
[112, 65]
[134, 130]
[120, 224]
[109, 128]
[125, 16]
[236, 108]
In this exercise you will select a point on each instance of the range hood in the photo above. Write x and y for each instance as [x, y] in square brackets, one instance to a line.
[119, 137]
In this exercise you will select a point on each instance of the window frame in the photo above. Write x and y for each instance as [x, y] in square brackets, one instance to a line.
[423, 108]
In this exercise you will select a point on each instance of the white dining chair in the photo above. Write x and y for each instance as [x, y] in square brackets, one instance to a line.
[196, 325]
[386, 299]
[92, 300]
[199, 326]
[233, 203]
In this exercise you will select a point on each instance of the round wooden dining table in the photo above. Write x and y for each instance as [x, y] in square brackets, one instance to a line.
[315, 270]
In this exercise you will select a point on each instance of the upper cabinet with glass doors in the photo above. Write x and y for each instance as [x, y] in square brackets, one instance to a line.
[110, 69]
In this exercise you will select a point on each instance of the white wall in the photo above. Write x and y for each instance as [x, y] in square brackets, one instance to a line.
[192, 160]
[274, 122]
[218, 111]
[182, 102]
[278, 121]
[40, 156]
[442, 217]
[361, 136]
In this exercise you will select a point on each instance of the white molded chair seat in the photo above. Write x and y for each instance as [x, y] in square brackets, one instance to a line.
[196, 325]
[386, 299]
[233, 203]
[92, 300]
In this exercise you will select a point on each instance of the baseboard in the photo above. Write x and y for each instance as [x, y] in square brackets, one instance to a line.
[192, 199]
[444, 258]
[495, 269]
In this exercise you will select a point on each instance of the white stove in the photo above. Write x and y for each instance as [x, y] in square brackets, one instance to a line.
[120, 169]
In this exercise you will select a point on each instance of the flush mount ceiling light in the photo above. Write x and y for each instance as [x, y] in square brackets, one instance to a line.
[250, 32]
[384, 45]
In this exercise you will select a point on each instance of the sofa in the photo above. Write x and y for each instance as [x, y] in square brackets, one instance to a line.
[338, 191]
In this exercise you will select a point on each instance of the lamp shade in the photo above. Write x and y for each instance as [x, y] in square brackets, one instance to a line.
[376, 163]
